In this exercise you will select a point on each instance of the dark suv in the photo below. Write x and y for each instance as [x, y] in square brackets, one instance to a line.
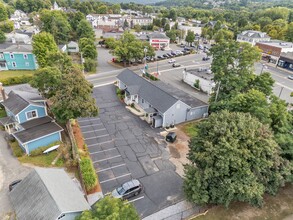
[128, 189]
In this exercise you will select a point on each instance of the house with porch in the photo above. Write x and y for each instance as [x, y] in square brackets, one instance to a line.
[163, 105]
[17, 57]
[27, 120]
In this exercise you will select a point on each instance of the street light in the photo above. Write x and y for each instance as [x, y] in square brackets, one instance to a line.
[145, 64]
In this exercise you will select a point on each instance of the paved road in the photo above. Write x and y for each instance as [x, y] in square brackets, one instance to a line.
[122, 147]
[10, 170]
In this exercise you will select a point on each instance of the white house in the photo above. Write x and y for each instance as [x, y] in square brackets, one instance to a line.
[203, 77]
[253, 37]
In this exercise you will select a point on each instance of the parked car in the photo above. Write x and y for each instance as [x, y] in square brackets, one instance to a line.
[13, 184]
[178, 52]
[172, 61]
[173, 53]
[176, 65]
[128, 189]
[171, 137]
[290, 77]
[206, 58]
[165, 55]
[162, 48]
[160, 57]
[170, 55]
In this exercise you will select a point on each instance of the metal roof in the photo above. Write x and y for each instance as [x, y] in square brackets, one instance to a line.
[45, 194]
[19, 48]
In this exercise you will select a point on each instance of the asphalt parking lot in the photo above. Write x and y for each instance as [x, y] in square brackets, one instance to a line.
[122, 147]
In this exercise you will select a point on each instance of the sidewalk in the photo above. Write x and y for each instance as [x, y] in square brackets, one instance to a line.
[179, 211]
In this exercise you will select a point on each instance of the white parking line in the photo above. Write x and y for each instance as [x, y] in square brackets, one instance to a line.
[88, 119]
[84, 132]
[83, 126]
[115, 178]
[97, 144]
[106, 159]
[101, 151]
[134, 200]
[109, 168]
[104, 135]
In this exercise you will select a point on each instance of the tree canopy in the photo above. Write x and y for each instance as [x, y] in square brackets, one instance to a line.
[234, 157]
[110, 208]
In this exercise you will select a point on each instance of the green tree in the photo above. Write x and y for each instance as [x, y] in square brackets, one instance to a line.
[90, 65]
[84, 29]
[73, 99]
[190, 37]
[110, 208]
[103, 9]
[43, 43]
[47, 80]
[2, 37]
[3, 12]
[223, 35]
[289, 32]
[115, 8]
[6, 26]
[29, 6]
[167, 27]
[89, 51]
[137, 28]
[233, 158]
[173, 14]
[172, 35]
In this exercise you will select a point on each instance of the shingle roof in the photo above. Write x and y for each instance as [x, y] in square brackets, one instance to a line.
[36, 132]
[36, 122]
[158, 36]
[254, 34]
[152, 94]
[19, 48]
[45, 194]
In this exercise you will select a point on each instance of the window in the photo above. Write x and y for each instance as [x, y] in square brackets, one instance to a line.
[11, 55]
[25, 56]
[14, 64]
[31, 114]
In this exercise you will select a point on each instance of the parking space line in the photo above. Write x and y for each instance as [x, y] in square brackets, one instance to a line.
[104, 135]
[88, 119]
[84, 126]
[97, 144]
[101, 151]
[84, 132]
[129, 201]
[109, 168]
[106, 159]
[115, 178]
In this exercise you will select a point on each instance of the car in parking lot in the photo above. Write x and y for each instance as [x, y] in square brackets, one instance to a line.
[13, 184]
[170, 55]
[165, 55]
[290, 77]
[206, 58]
[128, 189]
[172, 61]
[176, 65]
[160, 57]
[179, 52]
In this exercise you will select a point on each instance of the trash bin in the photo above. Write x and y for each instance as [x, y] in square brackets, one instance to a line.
[171, 137]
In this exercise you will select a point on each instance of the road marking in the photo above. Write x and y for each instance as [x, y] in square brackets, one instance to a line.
[84, 132]
[105, 84]
[129, 201]
[97, 161]
[115, 178]
[286, 87]
[104, 135]
[88, 119]
[183, 67]
[97, 144]
[101, 151]
[83, 126]
[120, 165]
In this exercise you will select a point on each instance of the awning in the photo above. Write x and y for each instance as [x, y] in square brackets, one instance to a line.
[6, 121]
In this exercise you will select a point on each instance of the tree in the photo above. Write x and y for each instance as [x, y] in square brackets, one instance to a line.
[110, 208]
[90, 51]
[167, 27]
[29, 6]
[289, 32]
[103, 9]
[173, 14]
[190, 37]
[47, 80]
[43, 43]
[2, 37]
[84, 29]
[6, 26]
[3, 12]
[115, 8]
[223, 35]
[137, 28]
[233, 158]
[90, 65]
[73, 99]
[172, 35]
[125, 25]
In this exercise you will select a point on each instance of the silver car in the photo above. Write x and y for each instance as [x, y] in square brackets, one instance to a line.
[128, 189]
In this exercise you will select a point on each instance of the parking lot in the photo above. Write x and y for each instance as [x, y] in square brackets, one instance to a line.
[122, 147]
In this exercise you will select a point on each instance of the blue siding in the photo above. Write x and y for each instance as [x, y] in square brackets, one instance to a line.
[40, 109]
[20, 61]
[42, 142]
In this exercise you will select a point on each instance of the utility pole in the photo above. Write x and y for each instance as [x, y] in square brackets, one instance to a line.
[281, 91]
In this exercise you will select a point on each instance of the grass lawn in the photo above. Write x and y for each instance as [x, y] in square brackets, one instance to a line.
[44, 160]
[2, 113]
[13, 73]
[189, 129]
[275, 208]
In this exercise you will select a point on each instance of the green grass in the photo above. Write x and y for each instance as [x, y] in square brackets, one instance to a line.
[189, 129]
[14, 73]
[2, 113]
[44, 160]
[16, 150]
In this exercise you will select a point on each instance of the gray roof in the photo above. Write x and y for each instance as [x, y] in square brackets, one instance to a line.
[21, 87]
[254, 34]
[46, 193]
[19, 100]
[152, 94]
[36, 122]
[39, 130]
[7, 120]
[158, 35]
[288, 55]
[19, 48]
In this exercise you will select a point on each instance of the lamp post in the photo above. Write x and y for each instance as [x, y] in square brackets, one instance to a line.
[145, 63]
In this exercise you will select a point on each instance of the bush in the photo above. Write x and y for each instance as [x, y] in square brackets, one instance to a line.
[90, 65]
[16, 149]
[196, 84]
[16, 80]
[88, 173]
[40, 150]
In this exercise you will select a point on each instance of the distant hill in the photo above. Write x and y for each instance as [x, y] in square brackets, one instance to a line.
[134, 1]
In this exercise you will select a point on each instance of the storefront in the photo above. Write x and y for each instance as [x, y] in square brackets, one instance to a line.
[286, 61]
[159, 40]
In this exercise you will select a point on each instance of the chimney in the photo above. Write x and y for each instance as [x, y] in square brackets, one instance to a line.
[2, 91]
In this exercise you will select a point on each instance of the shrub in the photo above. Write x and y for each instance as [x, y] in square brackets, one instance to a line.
[40, 150]
[196, 84]
[16, 80]
[16, 149]
[88, 173]
[90, 65]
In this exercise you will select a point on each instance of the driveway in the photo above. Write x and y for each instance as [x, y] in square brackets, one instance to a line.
[103, 58]
[122, 147]
[10, 170]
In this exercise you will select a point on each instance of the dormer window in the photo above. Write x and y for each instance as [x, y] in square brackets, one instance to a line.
[11, 55]
[31, 114]
[25, 56]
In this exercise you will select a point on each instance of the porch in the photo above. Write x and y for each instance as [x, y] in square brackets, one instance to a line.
[9, 124]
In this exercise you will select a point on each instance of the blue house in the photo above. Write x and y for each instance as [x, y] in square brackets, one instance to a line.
[17, 57]
[27, 120]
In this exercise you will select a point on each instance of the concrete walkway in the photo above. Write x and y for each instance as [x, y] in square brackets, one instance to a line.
[10, 170]
[179, 211]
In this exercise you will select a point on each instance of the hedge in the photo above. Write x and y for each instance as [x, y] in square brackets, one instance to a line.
[88, 173]
[16, 80]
